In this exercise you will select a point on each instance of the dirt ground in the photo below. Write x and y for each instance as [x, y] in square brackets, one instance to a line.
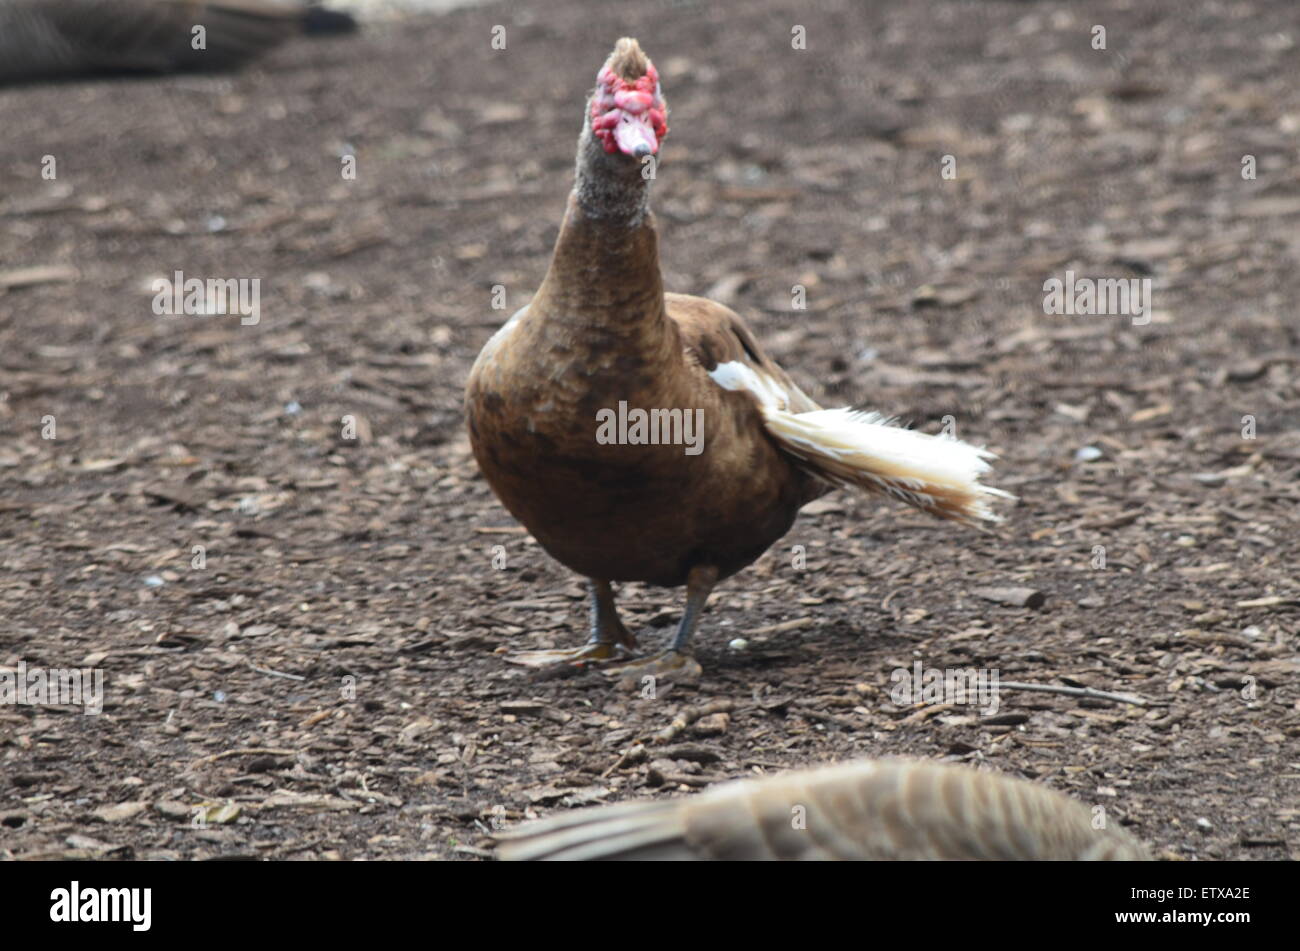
[330, 684]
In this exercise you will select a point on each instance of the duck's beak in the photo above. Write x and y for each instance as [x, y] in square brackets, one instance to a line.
[635, 136]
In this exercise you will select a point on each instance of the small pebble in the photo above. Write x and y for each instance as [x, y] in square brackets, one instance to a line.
[738, 644]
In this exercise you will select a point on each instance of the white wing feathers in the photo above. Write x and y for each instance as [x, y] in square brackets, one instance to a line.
[863, 450]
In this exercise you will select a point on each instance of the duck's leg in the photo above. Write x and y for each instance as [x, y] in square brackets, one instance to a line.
[607, 634]
[678, 658]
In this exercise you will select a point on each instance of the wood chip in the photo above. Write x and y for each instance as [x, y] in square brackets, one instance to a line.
[120, 812]
[1016, 597]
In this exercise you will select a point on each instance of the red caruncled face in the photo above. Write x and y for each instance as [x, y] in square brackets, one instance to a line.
[629, 116]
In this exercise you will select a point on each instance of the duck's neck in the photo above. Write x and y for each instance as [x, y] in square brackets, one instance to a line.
[605, 269]
[610, 188]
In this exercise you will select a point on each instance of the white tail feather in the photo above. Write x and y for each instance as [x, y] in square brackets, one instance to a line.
[847, 447]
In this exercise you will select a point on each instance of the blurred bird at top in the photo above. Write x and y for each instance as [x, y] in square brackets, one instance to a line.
[45, 39]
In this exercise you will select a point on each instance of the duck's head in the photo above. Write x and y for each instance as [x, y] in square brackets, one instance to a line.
[628, 111]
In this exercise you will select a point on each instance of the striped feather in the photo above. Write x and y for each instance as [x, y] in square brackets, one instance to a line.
[867, 810]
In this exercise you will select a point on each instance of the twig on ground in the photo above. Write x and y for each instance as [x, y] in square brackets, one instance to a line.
[274, 673]
[633, 754]
[1073, 692]
[687, 717]
[245, 751]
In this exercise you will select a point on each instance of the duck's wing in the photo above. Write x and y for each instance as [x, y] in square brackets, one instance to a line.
[842, 447]
[718, 342]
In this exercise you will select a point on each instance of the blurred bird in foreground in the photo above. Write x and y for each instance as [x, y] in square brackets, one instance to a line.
[45, 39]
[867, 810]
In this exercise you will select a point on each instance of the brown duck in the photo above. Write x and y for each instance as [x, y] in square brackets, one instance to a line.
[645, 436]
[43, 39]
